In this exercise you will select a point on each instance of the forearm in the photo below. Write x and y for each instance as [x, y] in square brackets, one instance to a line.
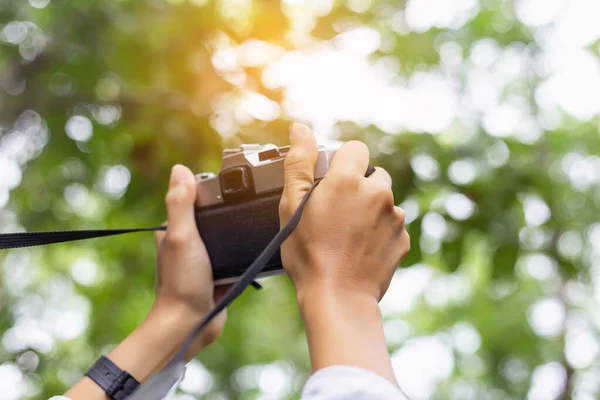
[148, 349]
[345, 329]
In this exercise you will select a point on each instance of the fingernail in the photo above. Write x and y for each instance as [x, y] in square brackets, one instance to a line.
[178, 174]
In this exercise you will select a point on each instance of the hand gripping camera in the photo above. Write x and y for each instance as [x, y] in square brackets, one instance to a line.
[237, 211]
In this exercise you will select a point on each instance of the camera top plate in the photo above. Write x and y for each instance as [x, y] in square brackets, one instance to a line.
[251, 171]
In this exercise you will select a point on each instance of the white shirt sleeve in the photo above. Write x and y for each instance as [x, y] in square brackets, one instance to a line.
[349, 383]
[332, 383]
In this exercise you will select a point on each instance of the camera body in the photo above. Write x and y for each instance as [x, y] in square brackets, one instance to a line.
[237, 210]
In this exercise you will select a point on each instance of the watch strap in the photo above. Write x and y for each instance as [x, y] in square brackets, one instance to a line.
[116, 383]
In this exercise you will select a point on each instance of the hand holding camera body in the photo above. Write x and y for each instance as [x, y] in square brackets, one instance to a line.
[237, 209]
[340, 238]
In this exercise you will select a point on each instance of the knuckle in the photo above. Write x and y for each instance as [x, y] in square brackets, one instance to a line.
[405, 242]
[173, 198]
[176, 238]
[384, 191]
[295, 158]
[211, 333]
[401, 215]
[284, 206]
[383, 194]
[158, 238]
[298, 180]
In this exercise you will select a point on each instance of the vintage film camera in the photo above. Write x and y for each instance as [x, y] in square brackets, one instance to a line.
[237, 211]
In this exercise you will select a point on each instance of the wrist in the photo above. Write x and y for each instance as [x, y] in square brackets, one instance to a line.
[171, 314]
[328, 296]
[324, 307]
[179, 321]
[344, 327]
[178, 317]
[153, 344]
[179, 310]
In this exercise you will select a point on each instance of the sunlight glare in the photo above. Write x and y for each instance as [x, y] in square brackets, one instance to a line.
[423, 15]
[578, 25]
[574, 85]
[333, 83]
[538, 12]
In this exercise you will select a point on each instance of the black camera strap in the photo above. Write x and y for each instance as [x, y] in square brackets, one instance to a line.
[160, 383]
[252, 272]
[29, 239]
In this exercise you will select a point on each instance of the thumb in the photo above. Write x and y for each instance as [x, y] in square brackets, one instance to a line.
[180, 205]
[299, 165]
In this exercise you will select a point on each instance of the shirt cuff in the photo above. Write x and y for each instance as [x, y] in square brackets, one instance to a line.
[349, 383]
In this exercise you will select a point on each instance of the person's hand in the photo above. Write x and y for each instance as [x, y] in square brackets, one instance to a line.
[184, 295]
[343, 254]
[184, 273]
[351, 237]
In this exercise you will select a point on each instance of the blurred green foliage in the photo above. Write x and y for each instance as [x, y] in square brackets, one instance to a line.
[142, 72]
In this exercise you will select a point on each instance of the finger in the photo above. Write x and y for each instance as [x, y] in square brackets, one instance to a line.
[405, 245]
[351, 159]
[180, 204]
[381, 176]
[300, 162]
[159, 236]
[401, 214]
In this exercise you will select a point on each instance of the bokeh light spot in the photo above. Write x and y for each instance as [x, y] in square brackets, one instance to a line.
[197, 380]
[421, 363]
[459, 206]
[546, 317]
[39, 3]
[114, 180]
[547, 381]
[79, 128]
[462, 172]
[85, 271]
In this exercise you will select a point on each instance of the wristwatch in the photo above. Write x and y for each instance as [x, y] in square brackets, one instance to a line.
[116, 383]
